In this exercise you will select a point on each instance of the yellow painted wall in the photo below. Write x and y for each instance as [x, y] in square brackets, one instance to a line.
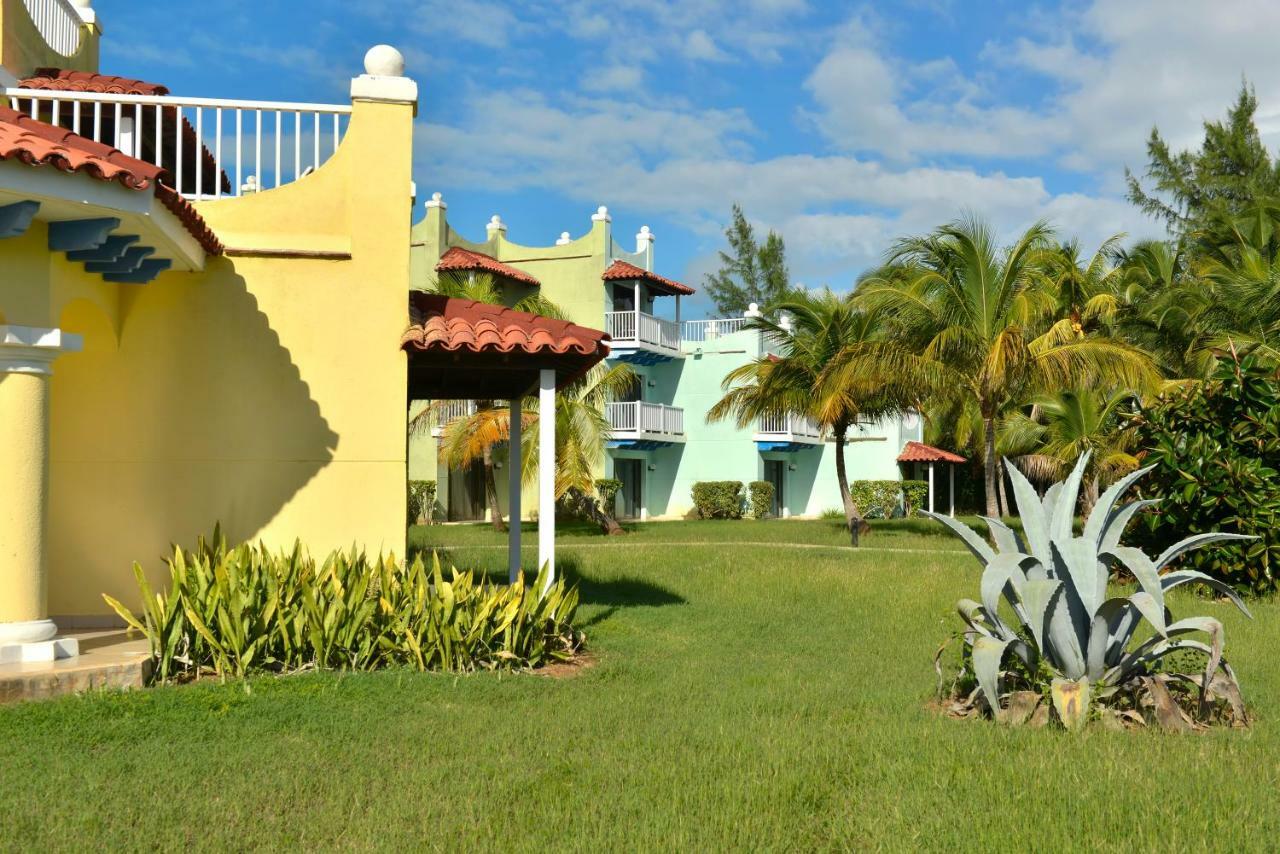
[23, 49]
[267, 393]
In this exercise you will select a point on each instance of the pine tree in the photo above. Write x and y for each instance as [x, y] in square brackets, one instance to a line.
[750, 272]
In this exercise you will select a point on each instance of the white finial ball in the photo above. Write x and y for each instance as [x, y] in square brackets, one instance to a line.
[383, 60]
[753, 307]
[564, 235]
[602, 210]
[644, 229]
[495, 220]
[436, 197]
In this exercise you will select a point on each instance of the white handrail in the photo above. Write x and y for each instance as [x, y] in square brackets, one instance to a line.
[788, 425]
[223, 149]
[59, 24]
[636, 416]
[709, 330]
[639, 327]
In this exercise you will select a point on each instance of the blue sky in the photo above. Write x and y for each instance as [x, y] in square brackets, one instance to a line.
[842, 126]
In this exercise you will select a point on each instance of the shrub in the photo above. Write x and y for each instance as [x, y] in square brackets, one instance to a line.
[832, 514]
[761, 492]
[876, 499]
[422, 501]
[915, 496]
[1070, 645]
[607, 488]
[1216, 451]
[234, 611]
[718, 499]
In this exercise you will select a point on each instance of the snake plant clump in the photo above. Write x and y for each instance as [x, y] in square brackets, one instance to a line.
[1065, 643]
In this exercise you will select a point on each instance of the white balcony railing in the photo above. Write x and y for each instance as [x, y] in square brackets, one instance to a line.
[635, 419]
[448, 411]
[787, 428]
[58, 23]
[210, 147]
[636, 327]
[710, 330]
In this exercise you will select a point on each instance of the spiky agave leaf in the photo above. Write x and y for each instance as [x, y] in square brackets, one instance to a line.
[1101, 517]
[1064, 511]
[976, 544]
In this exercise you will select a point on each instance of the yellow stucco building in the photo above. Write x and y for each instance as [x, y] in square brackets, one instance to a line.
[201, 305]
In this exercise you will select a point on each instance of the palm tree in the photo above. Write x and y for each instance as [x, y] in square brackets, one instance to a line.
[832, 363]
[986, 318]
[1047, 440]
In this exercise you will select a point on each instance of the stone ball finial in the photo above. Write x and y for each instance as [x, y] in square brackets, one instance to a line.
[382, 60]
[437, 197]
[602, 210]
[753, 307]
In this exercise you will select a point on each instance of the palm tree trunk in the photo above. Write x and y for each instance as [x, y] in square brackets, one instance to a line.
[1002, 475]
[989, 466]
[491, 491]
[853, 519]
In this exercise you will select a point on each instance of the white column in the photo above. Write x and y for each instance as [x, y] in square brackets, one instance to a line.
[678, 315]
[26, 362]
[514, 478]
[931, 486]
[953, 490]
[547, 471]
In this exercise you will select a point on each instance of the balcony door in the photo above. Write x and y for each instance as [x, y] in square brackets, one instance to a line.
[624, 298]
[630, 496]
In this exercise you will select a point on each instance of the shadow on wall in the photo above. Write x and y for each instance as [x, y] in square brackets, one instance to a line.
[198, 415]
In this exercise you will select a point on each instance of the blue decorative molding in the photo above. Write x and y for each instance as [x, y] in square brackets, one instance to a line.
[640, 357]
[128, 262]
[16, 218]
[111, 249]
[638, 444]
[74, 234]
[146, 271]
[785, 447]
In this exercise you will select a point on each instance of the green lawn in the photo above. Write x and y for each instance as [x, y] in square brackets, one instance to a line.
[745, 696]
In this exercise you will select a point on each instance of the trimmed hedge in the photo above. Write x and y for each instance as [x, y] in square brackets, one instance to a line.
[718, 499]
[915, 496]
[422, 501]
[761, 498]
[877, 499]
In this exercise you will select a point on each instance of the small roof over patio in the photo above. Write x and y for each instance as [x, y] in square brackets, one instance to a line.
[464, 350]
[919, 452]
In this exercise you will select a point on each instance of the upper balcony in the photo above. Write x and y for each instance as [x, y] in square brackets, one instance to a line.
[638, 330]
[787, 432]
[448, 411]
[636, 425]
[212, 148]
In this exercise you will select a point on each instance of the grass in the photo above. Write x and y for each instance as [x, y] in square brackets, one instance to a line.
[744, 697]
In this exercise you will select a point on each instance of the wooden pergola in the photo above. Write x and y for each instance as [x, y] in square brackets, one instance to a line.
[464, 350]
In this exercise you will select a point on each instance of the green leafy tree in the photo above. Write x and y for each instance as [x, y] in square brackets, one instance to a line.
[985, 317]
[1194, 192]
[833, 362]
[750, 272]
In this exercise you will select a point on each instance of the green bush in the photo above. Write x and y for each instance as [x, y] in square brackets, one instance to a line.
[718, 499]
[1216, 449]
[234, 611]
[877, 499]
[761, 492]
[915, 496]
[422, 500]
[607, 488]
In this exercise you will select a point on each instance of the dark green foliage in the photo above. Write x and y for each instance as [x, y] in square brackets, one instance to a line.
[1195, 192]
[761, 492]
[749, 272]
[914, 495]
[877, 499]
[422, 500]
[1216, 447]
[607, 488]
[718, 499]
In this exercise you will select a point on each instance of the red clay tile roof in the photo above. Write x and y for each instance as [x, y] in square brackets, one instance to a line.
[623, 270]
[919, 452]
[65, 80]
[38, 144]
[451, 325]
[458, 259]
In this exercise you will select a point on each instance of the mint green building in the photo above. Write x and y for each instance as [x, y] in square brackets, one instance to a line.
[661, 443]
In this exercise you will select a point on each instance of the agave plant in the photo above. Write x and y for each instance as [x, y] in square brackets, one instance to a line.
[1066, 630]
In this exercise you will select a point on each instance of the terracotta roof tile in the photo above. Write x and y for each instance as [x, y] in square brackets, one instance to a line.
[919, 452]
[66, 80]
[624, 270]
[38, 144]
[446, 324]
[458, 259]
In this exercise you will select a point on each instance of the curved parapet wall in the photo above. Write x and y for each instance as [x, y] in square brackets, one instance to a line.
[36, 33]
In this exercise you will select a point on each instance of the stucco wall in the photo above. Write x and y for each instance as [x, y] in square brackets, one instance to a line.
[267, 393]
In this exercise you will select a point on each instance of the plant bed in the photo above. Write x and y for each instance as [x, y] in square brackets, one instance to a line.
[1049, 642]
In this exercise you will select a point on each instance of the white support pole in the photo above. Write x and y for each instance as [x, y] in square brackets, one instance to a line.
[953, 490]
[931, 486]
[547, 471]
[514, 478]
